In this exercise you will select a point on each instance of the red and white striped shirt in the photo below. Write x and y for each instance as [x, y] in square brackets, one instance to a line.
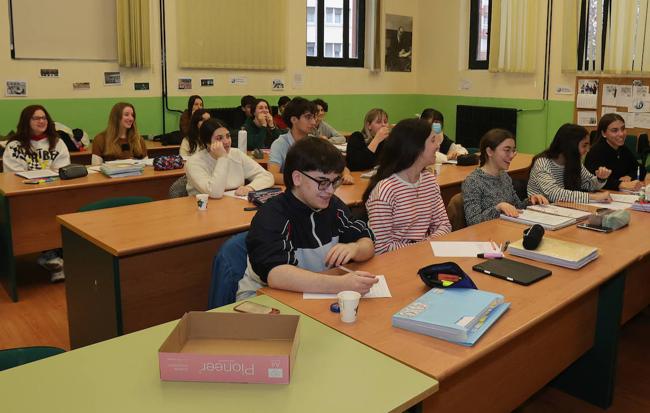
[401, 213]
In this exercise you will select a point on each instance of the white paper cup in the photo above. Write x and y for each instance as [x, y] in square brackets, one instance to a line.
[437, 167]
[348, 305]
[202, 201]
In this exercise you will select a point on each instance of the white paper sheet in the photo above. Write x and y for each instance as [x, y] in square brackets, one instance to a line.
[610, 205]
[641, 120]
[379, 290]
[461, 248]
[609, 95]
[624, 95]
[625, 198]
[587, 118]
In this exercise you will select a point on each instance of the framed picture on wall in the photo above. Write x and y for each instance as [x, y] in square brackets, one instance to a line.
[112, 78]
[399, 35]
[185, 83]
[16, 88]
[49, 72]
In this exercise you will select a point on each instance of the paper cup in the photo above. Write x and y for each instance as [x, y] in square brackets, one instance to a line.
[202, 201]
[349, 304]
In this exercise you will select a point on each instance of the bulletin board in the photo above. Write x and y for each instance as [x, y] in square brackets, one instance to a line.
[627, 96]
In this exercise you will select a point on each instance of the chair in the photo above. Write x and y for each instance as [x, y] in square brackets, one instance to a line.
[228, 267]
[456, 212]
[15, 357]
[179, 188]
[115, 202]
[521, 187]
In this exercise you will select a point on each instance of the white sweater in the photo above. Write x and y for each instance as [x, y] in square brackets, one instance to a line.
[206, 175]
[16, 158]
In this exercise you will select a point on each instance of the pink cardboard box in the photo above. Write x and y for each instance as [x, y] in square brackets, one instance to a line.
[230, 347]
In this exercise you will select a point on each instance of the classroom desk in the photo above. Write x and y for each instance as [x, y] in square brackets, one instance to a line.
[549, 326]
[27, 212]
[332, 373]
[154, 148]
[140, 265]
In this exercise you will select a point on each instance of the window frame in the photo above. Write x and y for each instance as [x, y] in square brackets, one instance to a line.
[584, 64]
[473, 63]
[346, 60]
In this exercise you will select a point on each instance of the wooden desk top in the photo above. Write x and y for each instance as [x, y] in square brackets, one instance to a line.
[122, 374]
[438, 358]
[136, 228]
[12, 185]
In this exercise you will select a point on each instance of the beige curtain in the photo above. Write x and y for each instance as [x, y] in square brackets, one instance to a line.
[373, 38]
[232, 34]
[513, 36]
[570, 29]
[622, 37]
[133, 33]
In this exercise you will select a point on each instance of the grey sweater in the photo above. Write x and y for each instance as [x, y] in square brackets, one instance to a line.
[482, 192]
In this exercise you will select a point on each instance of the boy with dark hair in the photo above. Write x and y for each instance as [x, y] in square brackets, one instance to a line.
[282, 103]
[323, 129]
[247, 104]
[299, 234]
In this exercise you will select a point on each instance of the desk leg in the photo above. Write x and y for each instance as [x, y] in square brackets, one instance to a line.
[6, 251]
[593, 376]
[92, 288]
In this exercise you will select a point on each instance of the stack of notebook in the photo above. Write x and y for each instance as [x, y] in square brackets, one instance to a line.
[576, 214]
[557, 252]
[459, 315]
[641, 206]
[548, 221]
[120, 170]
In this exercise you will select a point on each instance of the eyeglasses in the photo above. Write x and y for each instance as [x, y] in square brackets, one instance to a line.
[37, 118]
[325, 183]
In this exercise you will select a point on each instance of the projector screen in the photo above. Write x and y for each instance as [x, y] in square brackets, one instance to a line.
[64, 29]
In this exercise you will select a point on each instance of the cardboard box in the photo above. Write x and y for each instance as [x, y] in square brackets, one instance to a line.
[231, 347]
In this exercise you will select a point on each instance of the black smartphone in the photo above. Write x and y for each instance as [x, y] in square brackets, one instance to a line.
[595, 228]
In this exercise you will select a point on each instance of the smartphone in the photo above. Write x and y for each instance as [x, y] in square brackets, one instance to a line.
[594, 227]
[254, 308]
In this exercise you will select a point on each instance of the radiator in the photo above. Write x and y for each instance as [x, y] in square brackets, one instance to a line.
[473, 121]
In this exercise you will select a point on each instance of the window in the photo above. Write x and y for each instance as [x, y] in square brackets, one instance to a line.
[593, 19]
[479, 34]
[333, 15]
[311, 49]
[336, 37]
[311, 15]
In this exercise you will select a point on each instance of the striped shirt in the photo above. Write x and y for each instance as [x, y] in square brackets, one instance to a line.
[547, 178]
[401, 213]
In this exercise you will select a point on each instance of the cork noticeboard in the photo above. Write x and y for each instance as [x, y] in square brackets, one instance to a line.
[627, 96]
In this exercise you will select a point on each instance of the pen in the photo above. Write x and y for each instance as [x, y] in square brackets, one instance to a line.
[490, 255]
[342, 268]
[505, 246]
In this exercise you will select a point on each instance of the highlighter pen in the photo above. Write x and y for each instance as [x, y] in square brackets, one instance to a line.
[490, 255]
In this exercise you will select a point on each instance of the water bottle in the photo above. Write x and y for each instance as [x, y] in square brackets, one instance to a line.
[242, 138]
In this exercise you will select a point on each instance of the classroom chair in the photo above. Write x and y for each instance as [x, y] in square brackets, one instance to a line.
[456, 212]
[115, 202]
[228, 268]
[179, 188]
[15, 357]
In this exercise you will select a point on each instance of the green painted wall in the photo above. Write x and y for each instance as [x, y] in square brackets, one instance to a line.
[536, 124]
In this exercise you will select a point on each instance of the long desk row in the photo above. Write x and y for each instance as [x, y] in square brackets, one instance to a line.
[332, 373]
[565, 325]
[157, 256]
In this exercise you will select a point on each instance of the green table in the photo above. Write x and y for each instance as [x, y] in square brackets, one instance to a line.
[333, 373]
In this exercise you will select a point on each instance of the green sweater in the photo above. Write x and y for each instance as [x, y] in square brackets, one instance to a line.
[259, 137]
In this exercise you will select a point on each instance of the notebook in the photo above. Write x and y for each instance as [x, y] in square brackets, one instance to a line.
[37, 173]
[548, 221]
[557, 252]
[459, 315]
[513, 271]
[561, 211]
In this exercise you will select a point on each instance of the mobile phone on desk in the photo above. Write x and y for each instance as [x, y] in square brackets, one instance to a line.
[595, 228]
[255, 308]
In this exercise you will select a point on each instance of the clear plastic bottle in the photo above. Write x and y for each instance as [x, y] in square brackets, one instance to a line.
[242, 138]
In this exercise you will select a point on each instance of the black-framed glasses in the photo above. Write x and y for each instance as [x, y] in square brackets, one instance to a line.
[325, 183]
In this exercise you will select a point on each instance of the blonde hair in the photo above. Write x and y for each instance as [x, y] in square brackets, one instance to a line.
[113, 129]
[370, 117]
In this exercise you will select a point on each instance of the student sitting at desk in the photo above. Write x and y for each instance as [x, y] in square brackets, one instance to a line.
[37, 146]
[449, 150]
[194, 103]
[323, 129]
[192, 143]
[260, 128]
[304, 231]
[488, 190]
[218, 167]
[558, 174]
[300, 116]
[365, 146]
[120, 139]
[403, 198]
[610, 151]
[279, 122]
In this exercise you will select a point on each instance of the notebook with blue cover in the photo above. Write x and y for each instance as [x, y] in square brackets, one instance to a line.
[459, 315]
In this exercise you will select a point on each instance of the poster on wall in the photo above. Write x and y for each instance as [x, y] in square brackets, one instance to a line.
[587, 118]
[587, 94]
[184, 83]
[277, 85]
[207, 82]
[49, 72]
[399, 35]
[112, 78]
[80, 85]
[16, 88]
[141, 85]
